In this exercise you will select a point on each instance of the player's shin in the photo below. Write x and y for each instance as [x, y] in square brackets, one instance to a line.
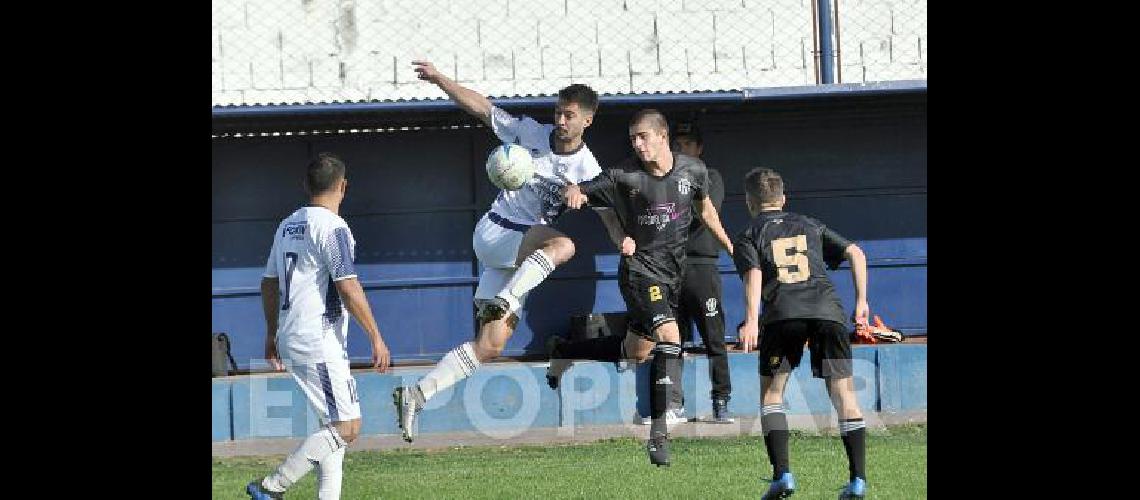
[318, 446]
[530, 273]
[662, 377]
[456, 365]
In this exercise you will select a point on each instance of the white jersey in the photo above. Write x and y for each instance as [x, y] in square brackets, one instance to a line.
[540, 200]
[312, 248]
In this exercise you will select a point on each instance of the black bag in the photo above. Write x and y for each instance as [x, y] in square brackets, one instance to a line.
[221, 351]
[591, 326]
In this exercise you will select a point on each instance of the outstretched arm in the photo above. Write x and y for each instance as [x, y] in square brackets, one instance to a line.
[471, 101]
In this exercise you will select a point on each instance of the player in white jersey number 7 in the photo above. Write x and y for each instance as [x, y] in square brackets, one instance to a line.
[310, 282]
[513, 241]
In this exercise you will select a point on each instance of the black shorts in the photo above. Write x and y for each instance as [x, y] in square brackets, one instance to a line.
[782, 346]
[649, 303]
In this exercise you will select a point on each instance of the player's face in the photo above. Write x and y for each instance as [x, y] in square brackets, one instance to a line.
[649, 143]
[687, 145]
[570, 121]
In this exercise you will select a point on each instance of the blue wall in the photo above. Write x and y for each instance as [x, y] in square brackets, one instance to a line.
[858, 164]
[510, 398]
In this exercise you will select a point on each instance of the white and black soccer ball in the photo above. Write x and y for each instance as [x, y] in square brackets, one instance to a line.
[509, 167]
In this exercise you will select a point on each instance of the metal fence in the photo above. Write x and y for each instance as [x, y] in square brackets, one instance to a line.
[298, 51]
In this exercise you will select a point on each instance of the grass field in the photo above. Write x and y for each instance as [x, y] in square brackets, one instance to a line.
[617, 468]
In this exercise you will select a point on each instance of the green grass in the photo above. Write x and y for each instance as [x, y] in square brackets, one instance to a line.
[614, 468]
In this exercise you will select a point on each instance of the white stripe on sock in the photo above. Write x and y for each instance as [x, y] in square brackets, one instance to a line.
[770, 409]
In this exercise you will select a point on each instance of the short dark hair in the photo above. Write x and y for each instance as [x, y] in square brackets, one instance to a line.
[581, 94]
[690, 130]
[656, 119]
[764, 185]
[323, 173]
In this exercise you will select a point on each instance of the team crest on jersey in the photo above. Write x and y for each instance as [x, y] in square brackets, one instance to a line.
[683, 186]
[560, 167]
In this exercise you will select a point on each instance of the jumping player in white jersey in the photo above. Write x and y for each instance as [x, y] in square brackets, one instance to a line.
[309, 280]
[513, 241]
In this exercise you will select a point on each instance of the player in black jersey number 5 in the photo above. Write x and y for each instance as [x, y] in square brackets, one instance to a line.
[781, 258]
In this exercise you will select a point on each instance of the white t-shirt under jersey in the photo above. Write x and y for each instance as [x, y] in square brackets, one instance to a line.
[312, 248]
[539, 201]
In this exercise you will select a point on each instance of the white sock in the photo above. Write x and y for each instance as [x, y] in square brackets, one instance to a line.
[329, 473]
[456, 365]
[530, 273]
[315, 448]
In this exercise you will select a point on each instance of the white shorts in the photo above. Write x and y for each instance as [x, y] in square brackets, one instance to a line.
[330, 388]
[497, 248]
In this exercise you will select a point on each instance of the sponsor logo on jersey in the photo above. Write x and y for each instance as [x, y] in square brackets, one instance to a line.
[659, 215]
[295, 230]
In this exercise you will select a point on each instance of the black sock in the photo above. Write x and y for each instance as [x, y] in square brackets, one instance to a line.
[674, 369]
[775, 426]
[854, 434]
[661, 382]
[606, 348]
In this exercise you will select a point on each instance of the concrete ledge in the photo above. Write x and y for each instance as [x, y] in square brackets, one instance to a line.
[508, 400]
[749, 426]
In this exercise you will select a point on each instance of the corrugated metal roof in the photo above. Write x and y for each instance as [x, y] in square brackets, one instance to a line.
[390, 105]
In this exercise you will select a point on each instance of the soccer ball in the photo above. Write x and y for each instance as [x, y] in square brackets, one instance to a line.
[509, 167]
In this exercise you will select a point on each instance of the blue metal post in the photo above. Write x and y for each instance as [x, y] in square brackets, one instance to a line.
[826, 42]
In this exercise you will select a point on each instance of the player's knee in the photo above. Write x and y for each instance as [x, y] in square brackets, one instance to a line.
[772, 397]
[485, 351]
[640, 353]
[349, 437]
[561, 248]
[347, 430]
[772, 394]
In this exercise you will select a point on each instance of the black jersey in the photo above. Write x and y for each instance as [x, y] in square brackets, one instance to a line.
[791, 251]
[703, 246]
[654, 211]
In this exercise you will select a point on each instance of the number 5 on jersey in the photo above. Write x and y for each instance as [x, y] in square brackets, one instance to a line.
[796, 258]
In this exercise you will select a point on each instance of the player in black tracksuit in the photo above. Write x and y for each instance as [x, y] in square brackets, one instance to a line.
[655, 197]
[781, 256]
[700, 294]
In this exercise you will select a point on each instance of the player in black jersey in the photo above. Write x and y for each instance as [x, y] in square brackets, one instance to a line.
[655, 197]
[781, 258]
